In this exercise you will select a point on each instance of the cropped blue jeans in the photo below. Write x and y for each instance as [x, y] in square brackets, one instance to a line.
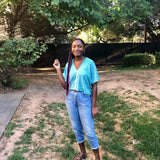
[79, 106]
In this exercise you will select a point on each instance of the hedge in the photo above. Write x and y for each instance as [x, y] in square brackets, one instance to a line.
[138, 59]
[157, 58]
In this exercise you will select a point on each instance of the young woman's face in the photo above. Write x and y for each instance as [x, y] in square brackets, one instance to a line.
[77, 48]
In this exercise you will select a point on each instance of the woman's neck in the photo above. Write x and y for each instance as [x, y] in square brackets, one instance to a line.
[79, 58]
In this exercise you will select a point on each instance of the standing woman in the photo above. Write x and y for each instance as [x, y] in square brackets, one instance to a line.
[80, 79]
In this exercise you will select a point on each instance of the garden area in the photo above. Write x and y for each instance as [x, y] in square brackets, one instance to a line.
[125, 47]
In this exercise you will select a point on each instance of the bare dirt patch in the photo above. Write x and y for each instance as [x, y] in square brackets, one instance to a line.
[44, 88]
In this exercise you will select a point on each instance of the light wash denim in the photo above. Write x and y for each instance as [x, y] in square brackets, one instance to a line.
[79, 108]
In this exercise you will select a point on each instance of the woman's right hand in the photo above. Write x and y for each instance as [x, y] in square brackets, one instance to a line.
[56, 64]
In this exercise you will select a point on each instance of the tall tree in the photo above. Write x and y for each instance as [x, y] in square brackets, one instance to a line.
[16, 13]
[146, 26]
[124, 19]
[61, 17]
[68, 14]
[153, 22]
[71, 15]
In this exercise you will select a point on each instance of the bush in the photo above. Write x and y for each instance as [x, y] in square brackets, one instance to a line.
[157, 58]
[16, 54]
[18, 83]
[138, 59]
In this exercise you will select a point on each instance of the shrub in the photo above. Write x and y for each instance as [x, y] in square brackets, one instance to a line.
[138, 59]
[18, 83]
[158, 58]
[16, 54]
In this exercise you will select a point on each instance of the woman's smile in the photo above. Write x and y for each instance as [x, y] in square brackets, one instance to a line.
[77, 48]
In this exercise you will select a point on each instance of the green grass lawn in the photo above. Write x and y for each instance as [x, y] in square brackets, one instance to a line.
[128, 128]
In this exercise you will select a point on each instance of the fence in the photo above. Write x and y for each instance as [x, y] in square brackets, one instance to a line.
[101, 53]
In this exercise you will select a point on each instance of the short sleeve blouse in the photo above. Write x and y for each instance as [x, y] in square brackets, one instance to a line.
[82, 79]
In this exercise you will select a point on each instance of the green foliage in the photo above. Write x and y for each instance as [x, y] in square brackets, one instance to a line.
[138, 59]
[77, 13]
[69, 13]
[11, 126]
[18, 83]
[9, 129]
[119, 21]
[129, 11]
[26, 138]
[16, 54]
[3, 6]
[153, 22]
[149, 136]
[144, 128]
[16, 156]
[68, 152]
[111, 107]
[157, 58]
[95, 34]
[55, 19]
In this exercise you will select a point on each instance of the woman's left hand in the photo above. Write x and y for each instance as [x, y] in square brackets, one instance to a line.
[94, 111]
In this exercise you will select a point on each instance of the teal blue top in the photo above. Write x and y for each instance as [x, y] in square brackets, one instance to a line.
[83, 78]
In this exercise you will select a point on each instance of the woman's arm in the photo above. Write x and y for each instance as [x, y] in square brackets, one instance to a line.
[94, 100]
[57, 66]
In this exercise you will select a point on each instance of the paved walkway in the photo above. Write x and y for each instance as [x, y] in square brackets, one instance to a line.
[8, 106]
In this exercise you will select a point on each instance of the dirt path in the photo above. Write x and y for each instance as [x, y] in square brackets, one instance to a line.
[147, 80]
[46, 89]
